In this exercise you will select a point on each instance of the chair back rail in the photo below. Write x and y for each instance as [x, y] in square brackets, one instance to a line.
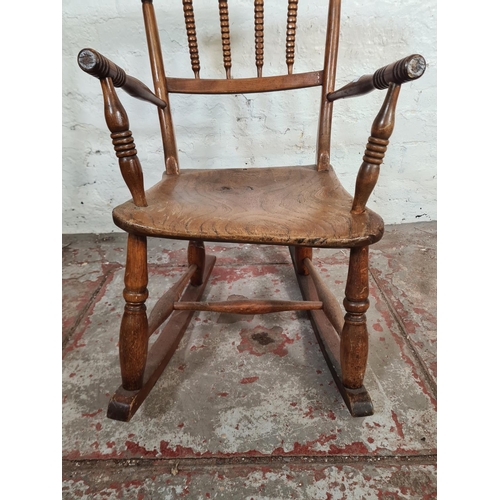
[244, 85]
[229, 85]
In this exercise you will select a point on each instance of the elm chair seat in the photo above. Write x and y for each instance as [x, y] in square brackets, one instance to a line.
[280, 205]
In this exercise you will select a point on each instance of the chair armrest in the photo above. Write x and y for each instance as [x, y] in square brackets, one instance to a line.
[101, 67]
[405, 70]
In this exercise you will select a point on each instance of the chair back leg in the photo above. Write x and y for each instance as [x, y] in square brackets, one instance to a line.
[302, 253]
[196, 256]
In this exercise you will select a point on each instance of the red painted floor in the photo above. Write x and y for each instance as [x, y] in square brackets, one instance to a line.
[246, 407]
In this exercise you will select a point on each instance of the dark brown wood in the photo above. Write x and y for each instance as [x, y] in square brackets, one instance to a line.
[165, 305]
[196, 256]
[249, 306]
[244, 85]
[405, 70]
[354, 338]
[191, 36]
[291, 28]
[331, 307]
[382, 128]
[124, 403]
[279, 205]
[302, 253]
[160, 85]
[133, 344]
[303, 207]
[259, 35]
[117, 121]
[97, 65]
[225, 36]
[358, 401]
[326, 107]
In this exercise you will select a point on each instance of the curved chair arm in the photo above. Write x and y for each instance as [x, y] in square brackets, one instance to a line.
[405, 70]
[111, 76]
[101, 67]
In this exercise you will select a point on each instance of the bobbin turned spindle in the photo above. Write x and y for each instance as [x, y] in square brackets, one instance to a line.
[225, 36]
[191, 34]
[291, 27]
[259, 35]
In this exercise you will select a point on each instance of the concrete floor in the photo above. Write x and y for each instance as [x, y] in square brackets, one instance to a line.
[236, 418]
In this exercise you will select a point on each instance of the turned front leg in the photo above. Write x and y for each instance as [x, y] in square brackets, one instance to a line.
[354, 338]
[134, 326]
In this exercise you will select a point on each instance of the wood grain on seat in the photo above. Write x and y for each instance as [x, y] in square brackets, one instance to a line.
[278, 205]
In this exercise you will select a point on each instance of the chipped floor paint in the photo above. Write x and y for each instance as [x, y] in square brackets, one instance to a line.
[301, 482]
[244, 386]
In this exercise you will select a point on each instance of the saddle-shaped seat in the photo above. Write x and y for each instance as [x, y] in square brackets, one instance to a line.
[280, 205]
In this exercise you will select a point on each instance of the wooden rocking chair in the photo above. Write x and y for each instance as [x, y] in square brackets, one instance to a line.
[242, 205]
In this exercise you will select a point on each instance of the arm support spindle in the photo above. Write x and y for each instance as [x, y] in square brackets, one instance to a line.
[117, 121]
[382, 128]
[402, 71]
[101, 67]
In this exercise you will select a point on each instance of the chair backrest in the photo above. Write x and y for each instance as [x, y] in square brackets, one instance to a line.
[198, 85]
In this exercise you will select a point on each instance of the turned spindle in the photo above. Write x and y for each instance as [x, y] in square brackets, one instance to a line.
[225, 36]
[117, 121]
[259, 35]
[191, 35]
[376, 147]
[133, 344]
[291, 27]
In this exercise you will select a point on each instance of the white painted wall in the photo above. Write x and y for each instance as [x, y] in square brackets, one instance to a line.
[271, 129]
